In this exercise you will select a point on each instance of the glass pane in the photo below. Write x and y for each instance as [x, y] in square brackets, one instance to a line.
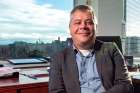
[132, 27]
[32, 28]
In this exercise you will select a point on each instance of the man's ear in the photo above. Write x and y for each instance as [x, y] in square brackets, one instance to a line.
[69, 25]
[96, 29]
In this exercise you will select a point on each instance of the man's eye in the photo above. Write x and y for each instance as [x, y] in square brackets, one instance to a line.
[77, 23]
[89, 22]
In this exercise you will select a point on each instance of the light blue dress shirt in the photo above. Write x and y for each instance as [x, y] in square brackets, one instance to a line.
[90, 81]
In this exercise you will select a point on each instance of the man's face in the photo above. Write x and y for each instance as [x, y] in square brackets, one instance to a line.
[82, 27]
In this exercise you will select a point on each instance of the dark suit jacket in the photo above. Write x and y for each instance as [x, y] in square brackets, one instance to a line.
[110, 65]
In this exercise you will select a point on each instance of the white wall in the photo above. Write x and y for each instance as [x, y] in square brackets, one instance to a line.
[78, 2]
[110, 16]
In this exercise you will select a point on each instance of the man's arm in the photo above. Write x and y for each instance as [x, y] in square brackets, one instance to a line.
[122, 82]
[56, 84]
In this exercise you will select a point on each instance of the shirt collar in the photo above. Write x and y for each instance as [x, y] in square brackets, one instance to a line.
[77, 50]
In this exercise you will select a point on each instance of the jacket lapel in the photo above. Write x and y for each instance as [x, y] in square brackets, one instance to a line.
[72, 66]
[99, 57]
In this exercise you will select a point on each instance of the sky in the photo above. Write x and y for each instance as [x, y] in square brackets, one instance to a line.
[32, 20]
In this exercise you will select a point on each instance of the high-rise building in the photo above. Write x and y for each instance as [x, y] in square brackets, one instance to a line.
[133, 46]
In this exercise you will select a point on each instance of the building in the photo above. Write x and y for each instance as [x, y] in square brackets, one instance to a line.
[133, 46]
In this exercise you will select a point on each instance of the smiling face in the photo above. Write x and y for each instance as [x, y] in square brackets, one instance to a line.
[82, 29]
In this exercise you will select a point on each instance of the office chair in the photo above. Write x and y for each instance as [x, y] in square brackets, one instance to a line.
[115, 39]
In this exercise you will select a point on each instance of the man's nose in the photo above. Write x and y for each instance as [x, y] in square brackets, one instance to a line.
[83, 25]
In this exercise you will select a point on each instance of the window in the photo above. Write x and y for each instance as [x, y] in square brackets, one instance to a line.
[30, 28]
[132, 27]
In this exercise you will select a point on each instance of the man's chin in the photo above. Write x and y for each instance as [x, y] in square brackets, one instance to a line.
[85, 41]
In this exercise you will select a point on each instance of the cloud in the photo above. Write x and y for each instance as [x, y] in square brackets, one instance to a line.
[132, 27]
[133, 31]
[21, 17]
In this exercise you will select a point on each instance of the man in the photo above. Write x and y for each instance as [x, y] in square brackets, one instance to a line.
[90, 65]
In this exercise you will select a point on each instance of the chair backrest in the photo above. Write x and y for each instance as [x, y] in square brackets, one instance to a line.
[115, 39]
